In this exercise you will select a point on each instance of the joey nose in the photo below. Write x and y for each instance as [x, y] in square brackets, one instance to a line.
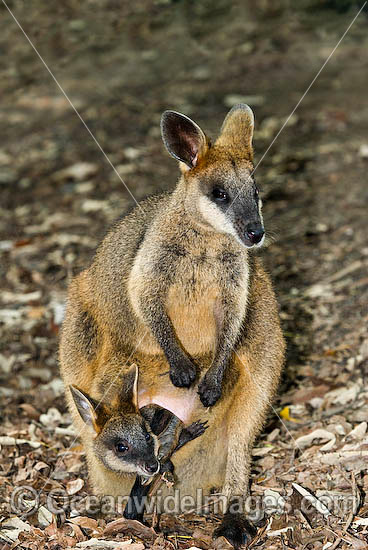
[254, 232]
[151, 467]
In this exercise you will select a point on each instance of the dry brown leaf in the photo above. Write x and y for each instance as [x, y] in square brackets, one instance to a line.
[40, 466]
[222, 544]
[87, 523]
[304, 395]
[318, 505]
[72, 487]
[36, 312]
[7, 440]
[113, 544]
[11, 528]
[130, 526]
[30, 411]
[306, 440]
[78, 171]
[358, 432]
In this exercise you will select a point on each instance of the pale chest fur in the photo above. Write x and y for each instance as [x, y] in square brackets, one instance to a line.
[182, 402]
[198, 279]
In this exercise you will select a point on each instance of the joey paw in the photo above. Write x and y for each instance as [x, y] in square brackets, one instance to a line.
[209, 392]
[183, 374]
[168, 478]
[236, 529]
[197, 428]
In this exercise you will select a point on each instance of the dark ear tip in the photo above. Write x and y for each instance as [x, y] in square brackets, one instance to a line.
[130, 376]
[165, 115]
[73, 389]
[77, 395]
[169, 113]
[132, 370]
[166, 118]
[169, 116]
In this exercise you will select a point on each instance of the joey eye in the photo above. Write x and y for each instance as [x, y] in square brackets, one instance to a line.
[147, 437]
[256, 192]
[220, 195]
[121, 447]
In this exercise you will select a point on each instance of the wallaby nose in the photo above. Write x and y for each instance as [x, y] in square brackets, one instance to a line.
[254, 232]
[151, 467]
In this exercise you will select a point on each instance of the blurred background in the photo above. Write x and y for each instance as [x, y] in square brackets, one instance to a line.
[122, 64]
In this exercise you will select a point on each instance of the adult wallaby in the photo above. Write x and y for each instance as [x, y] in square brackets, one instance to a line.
[175, 289]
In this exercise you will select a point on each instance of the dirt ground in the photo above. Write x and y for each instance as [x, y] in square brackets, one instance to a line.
[122, 64]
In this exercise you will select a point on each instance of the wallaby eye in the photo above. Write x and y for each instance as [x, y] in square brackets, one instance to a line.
[256, 192]
[220, 195]
[147, 436]
[121, 447]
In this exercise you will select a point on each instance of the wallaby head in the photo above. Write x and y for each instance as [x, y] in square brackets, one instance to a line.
[123, 440]
[217, 181]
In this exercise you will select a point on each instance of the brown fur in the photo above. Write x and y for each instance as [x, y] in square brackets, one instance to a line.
[215, 293]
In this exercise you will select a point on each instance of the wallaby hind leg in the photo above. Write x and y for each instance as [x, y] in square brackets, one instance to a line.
[251, 400]
[235, 527]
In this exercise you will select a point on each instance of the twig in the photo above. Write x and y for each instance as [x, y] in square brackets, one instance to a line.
[304, 520]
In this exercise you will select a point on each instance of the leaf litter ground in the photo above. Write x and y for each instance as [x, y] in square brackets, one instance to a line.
[59, 195]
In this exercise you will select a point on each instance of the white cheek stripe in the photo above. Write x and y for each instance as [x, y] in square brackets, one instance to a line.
[219, 221]
[215, 217]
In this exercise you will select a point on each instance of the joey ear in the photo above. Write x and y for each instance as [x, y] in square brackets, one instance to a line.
[127, 398]
[237, 129]
[134, 368]
[87, 408]
[183, 138]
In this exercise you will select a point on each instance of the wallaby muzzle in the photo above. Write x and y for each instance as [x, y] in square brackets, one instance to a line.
[148, 469]
[254, 233]
[151, 467]
[248, 224]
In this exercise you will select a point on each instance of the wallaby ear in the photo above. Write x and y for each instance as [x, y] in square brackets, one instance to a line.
[127, 397]
[237, 129]
[183, 138]
[87, 408]
[135, 374]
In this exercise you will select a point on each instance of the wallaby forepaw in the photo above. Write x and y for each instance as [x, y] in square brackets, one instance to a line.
[183, 375]
[209, 393]
[237, 530]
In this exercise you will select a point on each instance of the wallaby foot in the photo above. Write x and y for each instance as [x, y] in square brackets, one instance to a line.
[183, 373]
[135, 506]
[209, 391]
[236, 529]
